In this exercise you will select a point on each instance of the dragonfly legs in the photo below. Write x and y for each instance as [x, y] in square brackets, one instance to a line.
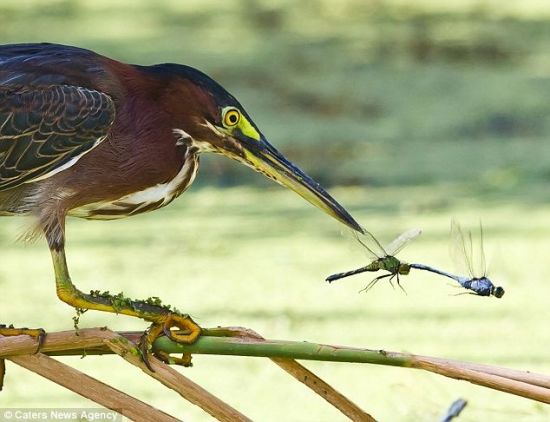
[398, 282]
[380, 277]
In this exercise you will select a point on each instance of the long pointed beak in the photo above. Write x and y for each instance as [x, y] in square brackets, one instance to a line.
[263, 157]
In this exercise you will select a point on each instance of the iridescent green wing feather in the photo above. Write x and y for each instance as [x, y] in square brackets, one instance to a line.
[44, 130]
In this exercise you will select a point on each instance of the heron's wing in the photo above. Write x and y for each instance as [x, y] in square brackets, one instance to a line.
[44, 130]
[401, 241]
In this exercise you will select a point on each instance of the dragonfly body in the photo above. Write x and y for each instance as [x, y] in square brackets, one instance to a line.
[472, 255]
[383, 258]
[393, 265]
[455, 410]
[481, 286]
[387, 263]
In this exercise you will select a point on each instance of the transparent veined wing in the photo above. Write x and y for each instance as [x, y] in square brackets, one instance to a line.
[374, 251]
[371, 244]
[397, 244]
[481, 270]
[462, 248]
[463, 252]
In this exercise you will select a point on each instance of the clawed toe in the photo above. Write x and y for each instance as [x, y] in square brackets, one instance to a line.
[38, 333]
[187, 332]
[185, 359]
[183, 323]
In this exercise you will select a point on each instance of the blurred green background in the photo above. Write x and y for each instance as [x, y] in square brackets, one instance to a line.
[412, 112]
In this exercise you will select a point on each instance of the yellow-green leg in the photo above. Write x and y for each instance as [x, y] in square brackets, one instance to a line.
[163, 318]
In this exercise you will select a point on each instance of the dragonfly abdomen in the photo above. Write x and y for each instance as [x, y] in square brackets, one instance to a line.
[370, 267]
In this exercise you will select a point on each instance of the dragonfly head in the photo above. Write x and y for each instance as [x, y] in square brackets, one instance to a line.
[498, 292]
[404, 268]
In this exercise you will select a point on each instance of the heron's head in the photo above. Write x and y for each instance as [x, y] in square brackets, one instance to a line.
[212, 120]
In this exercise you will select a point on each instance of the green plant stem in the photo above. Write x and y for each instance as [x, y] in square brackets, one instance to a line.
[104, 341]
[247, 346]
[231, 341]
[212, 345]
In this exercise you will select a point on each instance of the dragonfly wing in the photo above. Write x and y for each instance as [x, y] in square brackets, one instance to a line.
[401, 241]
[481, 270]
[461, 248]
[370, 244]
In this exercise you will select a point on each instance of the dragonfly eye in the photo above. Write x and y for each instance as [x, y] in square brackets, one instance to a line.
[498, 292]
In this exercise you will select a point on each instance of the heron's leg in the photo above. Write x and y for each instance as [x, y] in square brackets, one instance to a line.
[163, 318]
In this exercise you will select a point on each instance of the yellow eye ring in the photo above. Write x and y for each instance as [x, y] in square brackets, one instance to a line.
[231, 117]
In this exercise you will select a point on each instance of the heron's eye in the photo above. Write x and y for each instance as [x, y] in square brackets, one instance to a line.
[232, 117]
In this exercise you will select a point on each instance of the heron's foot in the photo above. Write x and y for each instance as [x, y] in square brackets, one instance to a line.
[185, 359]
[10, 331]
[38, 333]
[186, 332]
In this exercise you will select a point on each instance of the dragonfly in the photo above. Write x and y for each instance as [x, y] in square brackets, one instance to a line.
[382, 258]
[481, 286]
[463, 247]
[455, 410]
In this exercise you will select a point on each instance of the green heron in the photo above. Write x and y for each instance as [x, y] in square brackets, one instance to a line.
[87, 136]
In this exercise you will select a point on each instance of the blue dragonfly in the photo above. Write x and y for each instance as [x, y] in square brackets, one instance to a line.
[475, 264]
